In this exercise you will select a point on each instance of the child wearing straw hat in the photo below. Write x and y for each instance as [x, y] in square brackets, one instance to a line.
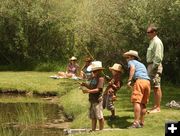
[95, 88]
[114, 85]
[141, 88]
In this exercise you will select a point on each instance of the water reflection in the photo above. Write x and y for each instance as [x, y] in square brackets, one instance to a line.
[31, 119]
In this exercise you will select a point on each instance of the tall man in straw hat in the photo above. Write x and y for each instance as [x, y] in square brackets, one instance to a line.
[141, 88]
[114, 85]
[154, 59]
[95, 88]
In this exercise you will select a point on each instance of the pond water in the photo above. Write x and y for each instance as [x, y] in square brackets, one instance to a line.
[31, 119]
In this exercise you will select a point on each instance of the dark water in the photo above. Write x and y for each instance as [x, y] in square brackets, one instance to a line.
[31, 119]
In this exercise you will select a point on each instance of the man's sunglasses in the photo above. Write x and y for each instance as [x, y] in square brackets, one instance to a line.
[150, 32]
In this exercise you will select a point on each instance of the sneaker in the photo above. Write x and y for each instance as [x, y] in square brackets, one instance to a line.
[111, 118]
[135, 125]
[142, 124]
[91, 131]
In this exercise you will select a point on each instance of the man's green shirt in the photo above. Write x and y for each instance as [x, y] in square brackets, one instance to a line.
[155, 52]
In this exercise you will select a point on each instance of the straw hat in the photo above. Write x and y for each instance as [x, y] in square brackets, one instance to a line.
[95, 65]
[116, 67]
[73, 58]
[132, 53]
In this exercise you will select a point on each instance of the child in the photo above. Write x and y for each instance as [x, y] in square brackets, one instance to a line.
[109, 95]
[85, 74]
[141, 88]
[95, 89]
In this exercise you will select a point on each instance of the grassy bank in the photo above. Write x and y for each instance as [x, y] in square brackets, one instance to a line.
[154, 123]
[32, 82]
[75, 103]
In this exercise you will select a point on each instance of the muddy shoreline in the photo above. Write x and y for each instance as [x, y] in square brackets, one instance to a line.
[27, 93]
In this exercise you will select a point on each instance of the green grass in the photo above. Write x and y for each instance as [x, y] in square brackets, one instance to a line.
[35, 82]
[154, 123]
[49, 66]
[76, 104]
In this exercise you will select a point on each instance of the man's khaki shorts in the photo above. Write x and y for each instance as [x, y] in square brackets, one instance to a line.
[141, 91]
[155, 75]
[96, 111]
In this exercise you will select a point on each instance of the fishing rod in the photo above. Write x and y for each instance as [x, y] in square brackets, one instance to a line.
[106, 76]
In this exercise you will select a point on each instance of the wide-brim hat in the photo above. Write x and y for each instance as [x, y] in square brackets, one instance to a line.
[73, 58]
[132, 53]
[88, 59]
[95, 65]
[116, 67]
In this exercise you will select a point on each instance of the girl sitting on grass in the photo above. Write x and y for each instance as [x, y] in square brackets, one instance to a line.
[71, 70]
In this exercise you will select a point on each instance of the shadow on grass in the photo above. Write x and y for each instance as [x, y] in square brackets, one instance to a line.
[118, 122]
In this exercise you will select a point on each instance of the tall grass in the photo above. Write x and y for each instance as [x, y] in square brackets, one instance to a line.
[28, 119]
[40, 66]
[30, 114]
[22, 115]
[6, 131]
[50, 66]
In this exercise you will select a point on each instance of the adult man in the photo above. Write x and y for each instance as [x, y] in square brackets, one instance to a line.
[154, 59]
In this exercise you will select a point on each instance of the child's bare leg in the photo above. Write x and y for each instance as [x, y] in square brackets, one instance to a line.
[69, 75]
[143, 113]
[101, 124]
[137, 112]
[113, 113]
[61, 74]
[94, 122]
